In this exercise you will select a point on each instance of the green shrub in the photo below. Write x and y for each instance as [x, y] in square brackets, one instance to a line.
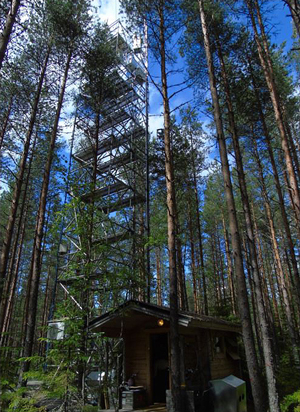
[291, 403]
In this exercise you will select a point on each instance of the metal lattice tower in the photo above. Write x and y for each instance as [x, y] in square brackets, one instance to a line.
[120, 194]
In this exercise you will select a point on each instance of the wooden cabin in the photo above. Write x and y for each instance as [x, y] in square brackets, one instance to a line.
[208, 346]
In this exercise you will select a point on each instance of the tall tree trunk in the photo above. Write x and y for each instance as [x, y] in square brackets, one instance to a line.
[265, 333]
[293, 150]
[171, 219]
[18, 186]
[199, 230]
[221, 263]
[39, 230]
[6, 32]
[282, 283]
[215, 272]
[46, 306]
[23, 215]
[256, 329]
[5, 123]
[294, 7]
[274, 287]
[266, 62]
[6, 311]
[193, 265]
[180, 268]
[261, 262]
[229, 268]
[284, 216]
[243, 304]
[158, 277]
[266, 295]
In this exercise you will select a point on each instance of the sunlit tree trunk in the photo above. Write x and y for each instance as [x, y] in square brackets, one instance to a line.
[45, 314]
[286, 224]
[182, 296]
[171, 218]
[19, 181]
[267, 65]
[282, 283]
[158, 276]
[7, 308]
[5, 123]
[39, 231]
[294, 7]
[193, 262]
[199, 230]
[229, 268]
[258, 287]
[255, 325]
[6, 32]
[243, 304]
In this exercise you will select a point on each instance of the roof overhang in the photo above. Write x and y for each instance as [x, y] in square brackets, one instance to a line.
[134, 315]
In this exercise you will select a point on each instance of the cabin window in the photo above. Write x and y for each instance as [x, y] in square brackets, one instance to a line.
[219, 346]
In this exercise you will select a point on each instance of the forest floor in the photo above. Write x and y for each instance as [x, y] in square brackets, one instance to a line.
[151, 408]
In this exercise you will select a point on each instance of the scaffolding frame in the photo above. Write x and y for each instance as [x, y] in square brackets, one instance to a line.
[121, 192]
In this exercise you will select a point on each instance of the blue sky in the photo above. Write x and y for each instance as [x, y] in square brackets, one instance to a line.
[279, 24]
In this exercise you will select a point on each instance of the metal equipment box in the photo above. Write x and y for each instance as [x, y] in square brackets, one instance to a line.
[229, 394]
[133, 399]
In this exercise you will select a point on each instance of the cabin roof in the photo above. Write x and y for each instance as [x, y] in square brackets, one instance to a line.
[133, 314]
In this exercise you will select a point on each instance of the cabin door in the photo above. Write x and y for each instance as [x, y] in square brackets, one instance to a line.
[159, 366]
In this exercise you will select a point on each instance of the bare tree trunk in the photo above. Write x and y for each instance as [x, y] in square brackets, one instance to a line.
[282, 283]
[261, 262]
[221, 263]
[6, 311]
[218, 264]
[20, 228]
[266, 62]
[293, 150]
[171, 218]
[256, 330]
[180, 268]
[266, 294]
[278, 189]
[39, 231]
[193, 265]
[265, 333]
[205, 301]
[215, 272]
[158, 276]
[6, 32]
[46, 305]
[273, 283]
[294, 7]
[18, 186]
[288, 269]
[5, 123]
[229, 268]
[243, 304]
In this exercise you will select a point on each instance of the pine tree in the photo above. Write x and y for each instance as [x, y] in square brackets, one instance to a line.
[8, 27]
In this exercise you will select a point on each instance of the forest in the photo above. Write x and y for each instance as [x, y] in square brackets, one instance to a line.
[99, 205]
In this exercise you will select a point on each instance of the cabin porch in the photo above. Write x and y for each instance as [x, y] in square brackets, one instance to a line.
[208, 351]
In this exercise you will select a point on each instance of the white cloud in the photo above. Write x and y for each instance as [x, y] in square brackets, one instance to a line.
[109, 10]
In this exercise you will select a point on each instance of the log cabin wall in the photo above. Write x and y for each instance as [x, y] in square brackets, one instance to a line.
[208, 345]
[205, 356]
[223, 350]
[137, 358]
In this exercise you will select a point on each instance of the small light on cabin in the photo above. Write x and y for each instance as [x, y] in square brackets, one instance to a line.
[160, 322]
